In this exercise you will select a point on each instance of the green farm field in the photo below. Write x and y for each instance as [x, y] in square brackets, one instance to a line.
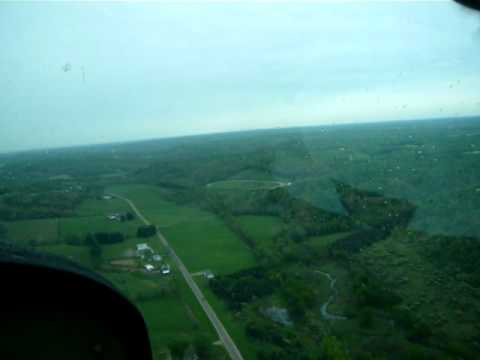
[200, 239]
[42, 231]
[322, 243]
[81, 226]
[209, 244]
[151, 202]
[79, 254]
[261, 228]
[101, 207]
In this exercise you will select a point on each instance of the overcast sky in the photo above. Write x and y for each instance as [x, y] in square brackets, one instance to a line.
[160, 70]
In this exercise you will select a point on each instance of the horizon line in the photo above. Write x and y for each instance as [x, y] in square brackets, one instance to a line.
[212, 133]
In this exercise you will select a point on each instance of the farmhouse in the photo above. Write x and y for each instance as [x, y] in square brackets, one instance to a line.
[208, 274]
[143, 249]
[149, 267]
[115, 217]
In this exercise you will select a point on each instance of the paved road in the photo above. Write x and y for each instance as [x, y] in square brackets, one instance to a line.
[217, 324]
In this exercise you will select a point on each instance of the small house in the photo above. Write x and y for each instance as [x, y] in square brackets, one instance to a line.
[149, 267]
[208, 275]
[157, 257]
[115, 217]
[143, 249]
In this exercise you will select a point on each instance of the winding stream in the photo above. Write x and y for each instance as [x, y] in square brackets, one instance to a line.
[334, 293]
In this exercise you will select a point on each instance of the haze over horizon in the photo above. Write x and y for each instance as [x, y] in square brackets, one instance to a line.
[220, 133]
[153, 70]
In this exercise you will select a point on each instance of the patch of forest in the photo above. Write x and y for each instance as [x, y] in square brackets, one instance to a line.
[456, 255]
[301, 218]
[433, 302]
[44, 200]
[375, 214]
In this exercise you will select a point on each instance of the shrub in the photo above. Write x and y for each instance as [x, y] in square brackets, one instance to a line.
[333, 349]
[74, 240]
[146, 231]
[109, 238]
[365, 318]
[177, 348]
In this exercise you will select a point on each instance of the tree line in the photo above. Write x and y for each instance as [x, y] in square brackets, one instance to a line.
[146, 231]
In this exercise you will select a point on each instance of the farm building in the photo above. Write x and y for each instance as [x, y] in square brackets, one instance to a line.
[120, 216]
[114, 217]
[208, 274]
[143, 249]
[149, 267]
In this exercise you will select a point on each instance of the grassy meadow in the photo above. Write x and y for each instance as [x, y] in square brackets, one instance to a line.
[41, 231]
[262, 229]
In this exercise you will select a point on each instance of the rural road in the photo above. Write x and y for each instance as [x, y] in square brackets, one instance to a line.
[333, 295]
[225, 338]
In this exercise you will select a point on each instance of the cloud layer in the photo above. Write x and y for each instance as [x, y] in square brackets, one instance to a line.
[160, 69]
